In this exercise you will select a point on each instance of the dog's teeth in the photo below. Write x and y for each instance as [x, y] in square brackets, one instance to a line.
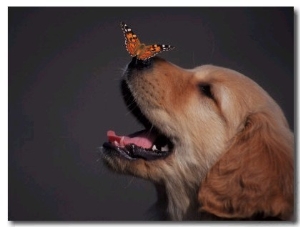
[165, 148]
[154, 148]
[116, 143]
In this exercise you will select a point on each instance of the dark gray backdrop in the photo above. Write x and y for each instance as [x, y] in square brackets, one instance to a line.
[64, 70]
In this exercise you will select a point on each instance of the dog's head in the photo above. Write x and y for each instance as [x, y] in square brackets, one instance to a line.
[192, 118]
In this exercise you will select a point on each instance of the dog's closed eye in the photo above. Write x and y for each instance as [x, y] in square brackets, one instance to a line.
[206, 90]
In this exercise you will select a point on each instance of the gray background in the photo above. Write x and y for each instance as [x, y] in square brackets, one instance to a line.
[64, 68]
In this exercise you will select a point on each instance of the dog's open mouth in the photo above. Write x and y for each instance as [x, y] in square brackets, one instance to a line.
[145, 144]
[148, 144]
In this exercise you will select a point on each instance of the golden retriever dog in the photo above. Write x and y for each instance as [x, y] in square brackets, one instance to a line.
[215, 144]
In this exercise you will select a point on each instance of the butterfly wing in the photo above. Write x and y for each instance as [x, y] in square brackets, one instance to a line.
[131, 40]
[152, 50]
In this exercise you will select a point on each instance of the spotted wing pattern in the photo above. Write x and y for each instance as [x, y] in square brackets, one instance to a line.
[132, 42]
[138, 49]
[152, 50]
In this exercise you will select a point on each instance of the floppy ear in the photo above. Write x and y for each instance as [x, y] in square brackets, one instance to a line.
[254, 178]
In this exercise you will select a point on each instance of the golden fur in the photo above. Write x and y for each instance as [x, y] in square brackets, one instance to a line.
[233, 153]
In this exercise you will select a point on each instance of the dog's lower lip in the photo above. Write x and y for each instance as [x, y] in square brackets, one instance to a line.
[110, 147]
[147, 154]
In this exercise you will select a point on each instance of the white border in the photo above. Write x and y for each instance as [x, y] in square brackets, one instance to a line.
[149, 3]
[4, 85]
[4, 115]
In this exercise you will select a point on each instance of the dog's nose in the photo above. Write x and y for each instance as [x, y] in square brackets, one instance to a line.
[140, 64]
[137, 64]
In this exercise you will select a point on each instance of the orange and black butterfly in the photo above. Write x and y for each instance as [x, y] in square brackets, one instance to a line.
[137, 49]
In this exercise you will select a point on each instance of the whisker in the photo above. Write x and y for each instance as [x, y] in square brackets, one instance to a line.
[131, 107]
[131, 180]
[150, 130]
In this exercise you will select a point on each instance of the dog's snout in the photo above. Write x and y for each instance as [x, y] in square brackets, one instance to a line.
[138, 68]
[139, 64]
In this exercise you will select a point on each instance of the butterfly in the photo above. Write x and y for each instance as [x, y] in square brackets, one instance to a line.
[140, 50]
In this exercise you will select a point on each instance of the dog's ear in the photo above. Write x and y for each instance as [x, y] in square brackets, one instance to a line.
[254, 178]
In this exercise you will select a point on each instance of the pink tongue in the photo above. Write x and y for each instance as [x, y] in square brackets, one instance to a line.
[142, 139]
